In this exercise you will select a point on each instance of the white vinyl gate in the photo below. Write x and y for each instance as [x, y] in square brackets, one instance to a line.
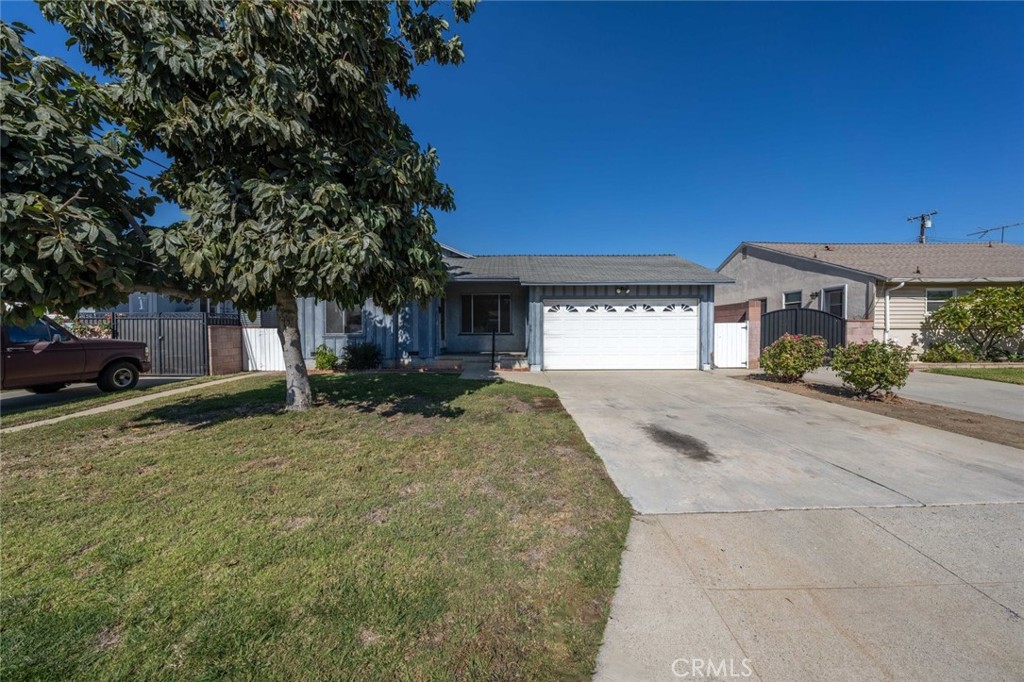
[261, 350]
[731, 344]
[617, 334]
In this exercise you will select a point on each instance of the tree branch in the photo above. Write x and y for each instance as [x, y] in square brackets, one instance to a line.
[169, 291]
[70, 201]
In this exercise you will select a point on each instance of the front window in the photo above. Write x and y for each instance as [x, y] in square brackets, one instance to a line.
[792, 299]
[936, 298]
[343, 320]
[40, 331]
[834, 302]
[486, 313]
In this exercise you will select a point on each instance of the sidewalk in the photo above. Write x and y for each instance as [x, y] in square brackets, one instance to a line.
[128, 402]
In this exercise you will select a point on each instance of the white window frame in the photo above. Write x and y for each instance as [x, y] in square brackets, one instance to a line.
[344, 320]
[931, 289]
[799, 303]
[821, 298]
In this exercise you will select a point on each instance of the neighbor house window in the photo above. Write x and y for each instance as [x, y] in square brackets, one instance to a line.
[484, 313]
[936, 298]
[792, 299]
[833, 302]
[344, 320]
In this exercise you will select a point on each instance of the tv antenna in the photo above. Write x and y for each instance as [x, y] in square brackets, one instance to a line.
[926, 222]
[1002, 231]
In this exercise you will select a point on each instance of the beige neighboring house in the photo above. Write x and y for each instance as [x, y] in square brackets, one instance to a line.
[894, 286]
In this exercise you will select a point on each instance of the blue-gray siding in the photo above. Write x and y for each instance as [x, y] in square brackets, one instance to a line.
[414, 331]
[457, 342]
[409, 332]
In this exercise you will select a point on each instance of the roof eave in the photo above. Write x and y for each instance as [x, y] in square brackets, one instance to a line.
[951, 280]
[619, 282]
[818, 261]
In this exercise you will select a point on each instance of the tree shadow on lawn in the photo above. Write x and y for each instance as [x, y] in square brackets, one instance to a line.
[389, 395]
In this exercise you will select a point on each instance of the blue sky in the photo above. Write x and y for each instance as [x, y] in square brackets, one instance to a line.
[688, 127]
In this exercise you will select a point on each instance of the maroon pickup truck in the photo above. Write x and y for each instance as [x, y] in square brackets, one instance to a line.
[46, 357]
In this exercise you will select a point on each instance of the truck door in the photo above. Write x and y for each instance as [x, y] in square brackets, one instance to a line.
[41, 354]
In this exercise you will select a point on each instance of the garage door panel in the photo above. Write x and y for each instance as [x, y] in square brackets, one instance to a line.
[621, 335]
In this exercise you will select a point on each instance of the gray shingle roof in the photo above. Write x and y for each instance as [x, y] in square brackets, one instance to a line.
[662, 269]
[915, 261]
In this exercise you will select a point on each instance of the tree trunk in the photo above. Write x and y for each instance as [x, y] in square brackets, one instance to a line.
[299, 395]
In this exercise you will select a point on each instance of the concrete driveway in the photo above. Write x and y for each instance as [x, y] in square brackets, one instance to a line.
[703, 442]
[856, 547]
[974, 395]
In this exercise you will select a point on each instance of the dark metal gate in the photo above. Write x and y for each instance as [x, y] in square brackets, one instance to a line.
[177, 341]
[804, 321]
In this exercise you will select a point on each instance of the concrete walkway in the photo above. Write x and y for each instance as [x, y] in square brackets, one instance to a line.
[857, 547]
[996, 398]
[121, 404]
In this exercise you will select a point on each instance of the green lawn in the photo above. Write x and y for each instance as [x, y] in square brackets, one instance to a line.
[413, 527]
[1009, 375]
[21, 415]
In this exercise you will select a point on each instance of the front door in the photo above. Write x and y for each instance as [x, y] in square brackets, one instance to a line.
[41, 354]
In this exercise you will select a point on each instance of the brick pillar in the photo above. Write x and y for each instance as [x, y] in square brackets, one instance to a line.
[754, 334]
[859, 331]
[225, 344]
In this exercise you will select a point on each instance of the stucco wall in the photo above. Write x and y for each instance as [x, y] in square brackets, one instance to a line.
[457, 342]
[769, 275]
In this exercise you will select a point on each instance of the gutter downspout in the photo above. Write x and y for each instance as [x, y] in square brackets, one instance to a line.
[885, 334]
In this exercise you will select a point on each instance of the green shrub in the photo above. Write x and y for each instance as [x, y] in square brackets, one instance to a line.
[792, 356]
[988, 322]
[946, 352]
[872, 366]
[325, 357]
[361, 356]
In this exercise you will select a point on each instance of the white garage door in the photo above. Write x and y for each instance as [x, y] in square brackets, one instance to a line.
[621, 335]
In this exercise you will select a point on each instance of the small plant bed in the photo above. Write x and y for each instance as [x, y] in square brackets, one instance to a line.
[13, 416]
[418, 527]
[980, 426]
[1008, 375]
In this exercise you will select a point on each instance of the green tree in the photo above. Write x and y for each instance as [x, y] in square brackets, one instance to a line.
[296, 173]
[71, 224]
[987, 323]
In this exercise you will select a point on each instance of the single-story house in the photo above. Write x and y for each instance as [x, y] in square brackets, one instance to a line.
[544, 312]
[893, 287]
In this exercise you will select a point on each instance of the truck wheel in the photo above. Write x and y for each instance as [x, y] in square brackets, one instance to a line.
[119, 376]
[45, 388]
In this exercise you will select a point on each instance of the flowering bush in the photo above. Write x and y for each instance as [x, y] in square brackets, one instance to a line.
[986, 324]
[872, 366]
[85, 330]
[792, 356]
